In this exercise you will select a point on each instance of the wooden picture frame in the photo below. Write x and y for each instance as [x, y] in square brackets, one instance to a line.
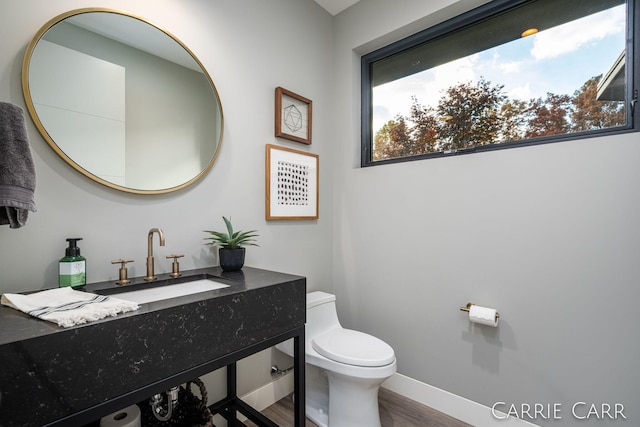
[291, 183]
[293, 116]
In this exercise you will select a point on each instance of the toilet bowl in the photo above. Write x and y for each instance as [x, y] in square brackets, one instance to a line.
[344, 368]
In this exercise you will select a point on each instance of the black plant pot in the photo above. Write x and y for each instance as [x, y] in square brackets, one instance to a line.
[231, 259]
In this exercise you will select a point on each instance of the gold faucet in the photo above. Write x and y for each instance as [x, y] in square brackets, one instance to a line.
[150, 276]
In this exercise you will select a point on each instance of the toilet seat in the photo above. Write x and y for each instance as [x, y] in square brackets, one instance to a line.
[353, 348]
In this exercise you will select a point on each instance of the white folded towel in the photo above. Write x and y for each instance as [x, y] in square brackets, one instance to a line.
[66, 306]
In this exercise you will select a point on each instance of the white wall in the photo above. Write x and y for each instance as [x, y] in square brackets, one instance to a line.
[86, 120]
[548, 235]
[249, 48]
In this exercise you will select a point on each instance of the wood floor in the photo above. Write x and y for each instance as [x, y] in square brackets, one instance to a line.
[395, 411]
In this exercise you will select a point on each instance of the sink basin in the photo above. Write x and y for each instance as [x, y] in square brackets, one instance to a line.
[160, 293]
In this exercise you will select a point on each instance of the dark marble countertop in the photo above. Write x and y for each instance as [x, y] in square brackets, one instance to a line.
[49, 373]
[16, 326]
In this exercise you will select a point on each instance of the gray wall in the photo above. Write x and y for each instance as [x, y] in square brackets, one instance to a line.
[246, 67]
[548, 235]
[545, 234]
[249, 48]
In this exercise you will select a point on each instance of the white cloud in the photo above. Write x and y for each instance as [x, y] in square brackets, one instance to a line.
[522, 92]
[510, 67]
[569, 37]
[394, 98]
[521, 79]
[504, 66]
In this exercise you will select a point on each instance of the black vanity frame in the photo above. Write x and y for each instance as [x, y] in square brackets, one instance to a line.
[53, 376]
[232, 404]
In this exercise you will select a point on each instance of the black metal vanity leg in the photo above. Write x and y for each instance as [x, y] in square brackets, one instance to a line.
[232, 390]
[299, 380]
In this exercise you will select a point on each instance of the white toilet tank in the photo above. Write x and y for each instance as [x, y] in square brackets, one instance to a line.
[321, 313]
[321, 316]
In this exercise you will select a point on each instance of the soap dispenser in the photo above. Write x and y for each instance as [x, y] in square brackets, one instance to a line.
[73, 267]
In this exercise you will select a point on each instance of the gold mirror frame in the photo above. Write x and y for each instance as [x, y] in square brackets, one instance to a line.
[41, 128]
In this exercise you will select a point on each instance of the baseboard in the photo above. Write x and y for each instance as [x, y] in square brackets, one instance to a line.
[448, 403]
[264, 396]
[270, 393]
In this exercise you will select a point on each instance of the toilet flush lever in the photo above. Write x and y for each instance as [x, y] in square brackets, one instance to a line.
[123, 280]
[175, 267]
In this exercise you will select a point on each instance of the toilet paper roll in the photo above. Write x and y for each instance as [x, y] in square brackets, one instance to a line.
[483, 315]
[127, 417]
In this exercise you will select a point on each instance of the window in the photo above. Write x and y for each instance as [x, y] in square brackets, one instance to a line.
[507, 74]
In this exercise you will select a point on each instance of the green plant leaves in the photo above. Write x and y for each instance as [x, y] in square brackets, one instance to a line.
[231, 239]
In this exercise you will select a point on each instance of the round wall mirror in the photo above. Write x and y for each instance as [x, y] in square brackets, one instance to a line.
[122, 101]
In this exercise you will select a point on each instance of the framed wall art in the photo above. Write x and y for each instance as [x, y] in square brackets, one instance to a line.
[293, 116]
[291, 183]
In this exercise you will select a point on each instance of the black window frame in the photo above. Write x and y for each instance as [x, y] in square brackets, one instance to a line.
[632, 70]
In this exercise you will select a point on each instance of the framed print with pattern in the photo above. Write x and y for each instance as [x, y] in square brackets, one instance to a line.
[291, 183]
[293, 116]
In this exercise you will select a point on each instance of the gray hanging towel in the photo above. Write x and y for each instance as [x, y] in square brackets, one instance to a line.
[17, 171]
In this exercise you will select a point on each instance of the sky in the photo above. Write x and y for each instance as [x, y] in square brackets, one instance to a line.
[558, 60]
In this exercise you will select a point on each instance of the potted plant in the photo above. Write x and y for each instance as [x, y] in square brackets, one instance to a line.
[231, 252]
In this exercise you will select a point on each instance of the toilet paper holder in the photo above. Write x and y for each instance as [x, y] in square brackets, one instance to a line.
[470, 304]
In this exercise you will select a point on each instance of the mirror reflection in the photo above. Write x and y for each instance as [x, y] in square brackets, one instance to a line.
[122, 101]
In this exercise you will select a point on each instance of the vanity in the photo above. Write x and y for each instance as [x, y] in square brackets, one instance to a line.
[56, 376]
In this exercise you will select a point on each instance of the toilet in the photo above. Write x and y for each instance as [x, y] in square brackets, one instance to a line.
[344, 368]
